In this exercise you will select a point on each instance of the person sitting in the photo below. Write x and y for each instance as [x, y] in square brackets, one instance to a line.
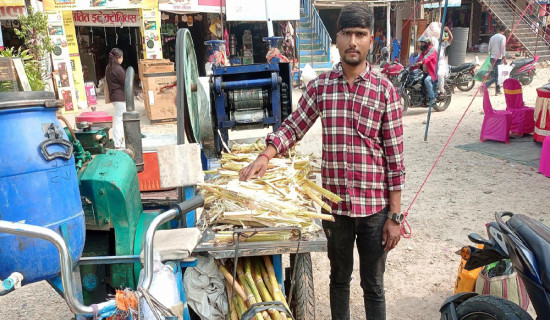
[427, 59]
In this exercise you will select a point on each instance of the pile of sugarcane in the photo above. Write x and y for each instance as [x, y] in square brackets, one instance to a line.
[283, 197]
[255, 282]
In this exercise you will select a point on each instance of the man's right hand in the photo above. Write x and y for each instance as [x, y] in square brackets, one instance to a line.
[256, 168]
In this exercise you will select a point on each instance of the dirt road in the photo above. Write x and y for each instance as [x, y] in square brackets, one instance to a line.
[462, 194]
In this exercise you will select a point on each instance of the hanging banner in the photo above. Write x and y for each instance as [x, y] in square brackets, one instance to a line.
[11, 13]
[74, 56]
[106, 18]
[253, 10]
[52, 5]
[211, 6]
[12, 3]
[63, 74]
[150, 29]
[450, 3]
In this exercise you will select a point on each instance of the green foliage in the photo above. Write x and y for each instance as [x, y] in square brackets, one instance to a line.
[34, 33]
[32, 69]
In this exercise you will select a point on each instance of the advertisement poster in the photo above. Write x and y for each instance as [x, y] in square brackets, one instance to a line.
[74, 56]
[61, 63]
[151, 34]
[53, 5]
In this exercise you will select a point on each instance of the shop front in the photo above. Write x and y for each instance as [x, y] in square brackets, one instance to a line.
[83, 33]
[10, 10]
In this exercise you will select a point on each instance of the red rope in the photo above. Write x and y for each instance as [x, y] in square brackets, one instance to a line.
[407, 233]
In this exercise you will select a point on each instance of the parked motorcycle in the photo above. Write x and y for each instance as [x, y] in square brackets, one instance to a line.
[526, 242]
[461, 76]
[524, 70]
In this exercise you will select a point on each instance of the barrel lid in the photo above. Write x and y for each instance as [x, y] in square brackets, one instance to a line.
[23, 99]
[94, 117]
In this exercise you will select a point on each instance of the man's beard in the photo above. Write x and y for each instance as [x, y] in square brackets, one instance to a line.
[423, 48]
[353, 61]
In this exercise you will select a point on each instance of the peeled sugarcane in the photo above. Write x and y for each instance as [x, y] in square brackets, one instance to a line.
[241, 306]
[249, 292]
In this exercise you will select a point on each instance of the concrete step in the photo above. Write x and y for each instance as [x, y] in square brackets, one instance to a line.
[308, 52]
[308, 41]
[316, 58]
[304, 30]
[305, 25]
[308, 35]
[318, 65]
[304, 20]
[306, 45]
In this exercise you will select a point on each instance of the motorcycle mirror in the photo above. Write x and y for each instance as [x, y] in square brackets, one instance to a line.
[476, 238]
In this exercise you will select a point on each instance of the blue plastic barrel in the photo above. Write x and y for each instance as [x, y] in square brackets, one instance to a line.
[38, 185]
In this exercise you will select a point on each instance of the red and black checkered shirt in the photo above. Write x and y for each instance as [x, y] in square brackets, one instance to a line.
[362, 138]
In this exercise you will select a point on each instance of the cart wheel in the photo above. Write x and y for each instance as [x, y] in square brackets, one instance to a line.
[303, 297]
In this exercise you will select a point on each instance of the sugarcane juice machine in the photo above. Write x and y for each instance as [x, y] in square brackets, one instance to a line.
[242, 97]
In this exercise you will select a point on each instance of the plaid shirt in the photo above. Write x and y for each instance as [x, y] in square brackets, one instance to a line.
[362, 138]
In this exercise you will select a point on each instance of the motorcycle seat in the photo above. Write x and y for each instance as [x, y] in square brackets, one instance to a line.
[536, 236]
[461, 67]
[522, 62]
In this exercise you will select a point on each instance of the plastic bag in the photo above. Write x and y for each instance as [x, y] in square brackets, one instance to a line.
[433, 30]
[504, 72]
[484, 70]
[308, 74]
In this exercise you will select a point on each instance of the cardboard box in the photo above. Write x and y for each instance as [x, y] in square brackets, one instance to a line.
[159, 91]
[155, 66]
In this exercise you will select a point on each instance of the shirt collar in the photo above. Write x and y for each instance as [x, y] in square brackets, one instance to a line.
[363, 74]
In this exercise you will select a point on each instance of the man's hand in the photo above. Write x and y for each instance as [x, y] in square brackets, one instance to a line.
[391, 234]
[258, 168]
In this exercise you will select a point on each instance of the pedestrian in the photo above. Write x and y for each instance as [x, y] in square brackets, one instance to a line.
[115, 76]
[443, 66]
[497, 52]
[362, 143]
[427, 61]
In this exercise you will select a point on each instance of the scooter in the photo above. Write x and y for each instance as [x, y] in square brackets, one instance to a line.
[526, 242]
[524, 70]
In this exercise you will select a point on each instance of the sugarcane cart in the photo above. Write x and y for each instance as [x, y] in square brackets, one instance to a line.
[83, 230]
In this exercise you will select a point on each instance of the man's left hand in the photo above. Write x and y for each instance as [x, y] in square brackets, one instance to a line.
[391, 234]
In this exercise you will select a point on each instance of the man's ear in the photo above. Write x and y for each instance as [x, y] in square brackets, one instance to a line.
[371, 41]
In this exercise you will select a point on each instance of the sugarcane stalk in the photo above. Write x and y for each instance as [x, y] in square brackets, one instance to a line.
[249, 277]
[250, 296]
[263, 290]
[316, 215]
[237, 287]
[315, 198]
[230, 300]
[241, 306]
[329, 195]
[273, 281]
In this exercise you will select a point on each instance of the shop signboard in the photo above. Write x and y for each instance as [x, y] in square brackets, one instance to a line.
[254, 10]
[74, 57]
[450, 3]
[12, 3]
[211, 6]
[53, 5]
[11, 13]
[106, 18]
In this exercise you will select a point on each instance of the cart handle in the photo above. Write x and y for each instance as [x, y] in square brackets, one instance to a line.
[177, 210]
[264, 306]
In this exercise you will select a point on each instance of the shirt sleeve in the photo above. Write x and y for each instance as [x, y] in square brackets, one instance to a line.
[503, 47]
[392, 135]
[298, 123]
[120, 75]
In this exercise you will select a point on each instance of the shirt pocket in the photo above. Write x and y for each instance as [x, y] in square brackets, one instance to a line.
[368, 119]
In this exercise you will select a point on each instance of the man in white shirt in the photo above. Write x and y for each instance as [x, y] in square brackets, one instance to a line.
[497, 50]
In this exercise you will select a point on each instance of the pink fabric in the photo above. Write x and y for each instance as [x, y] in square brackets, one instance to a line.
[523, 117]
[496, 123]
[544, 164]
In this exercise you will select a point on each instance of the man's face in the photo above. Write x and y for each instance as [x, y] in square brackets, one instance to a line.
[424, 45]
[354, 45]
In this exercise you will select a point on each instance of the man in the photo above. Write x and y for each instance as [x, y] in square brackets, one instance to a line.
[497, 52]
[443, 66]
[428, 60]
[362, 143]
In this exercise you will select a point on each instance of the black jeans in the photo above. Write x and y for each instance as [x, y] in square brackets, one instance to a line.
[341, 236]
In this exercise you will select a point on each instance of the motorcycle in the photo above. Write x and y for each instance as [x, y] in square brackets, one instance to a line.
[526, 242]
[524, 70]
[461, 76]
[410, 85]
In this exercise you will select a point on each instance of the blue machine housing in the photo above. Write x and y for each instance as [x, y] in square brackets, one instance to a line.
[273, 78]
[38, 185]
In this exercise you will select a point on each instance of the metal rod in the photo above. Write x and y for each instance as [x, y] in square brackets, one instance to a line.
[388, 32]
[109, 260]
[246, 83]
[268, 19]
[65, 259]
